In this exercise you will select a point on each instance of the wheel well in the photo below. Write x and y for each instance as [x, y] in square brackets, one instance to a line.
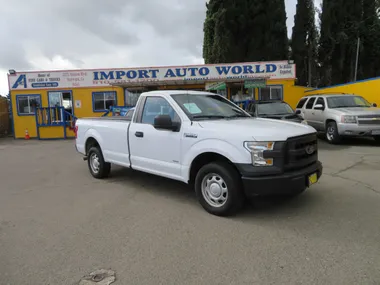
[329, 121]
[206, 158]
[91, 142]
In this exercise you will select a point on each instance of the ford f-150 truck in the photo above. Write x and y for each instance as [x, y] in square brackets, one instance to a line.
[206, 141]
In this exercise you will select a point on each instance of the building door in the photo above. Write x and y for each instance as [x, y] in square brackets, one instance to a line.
[61, 99]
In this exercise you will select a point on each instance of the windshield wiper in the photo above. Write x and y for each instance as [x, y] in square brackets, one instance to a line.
[237, 116]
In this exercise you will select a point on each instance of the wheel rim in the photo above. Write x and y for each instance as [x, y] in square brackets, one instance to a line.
[214, 190]
[330, 133]
[94, 163]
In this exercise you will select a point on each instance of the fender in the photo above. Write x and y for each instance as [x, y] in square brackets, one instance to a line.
[221, 147]
[92, 133]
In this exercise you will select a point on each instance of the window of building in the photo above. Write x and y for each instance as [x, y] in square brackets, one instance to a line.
[271, 93]
[155, 106]
[310, 103]
[239, 93]
[102, 101]
[27, 104]
[131, 97]
[301, 103]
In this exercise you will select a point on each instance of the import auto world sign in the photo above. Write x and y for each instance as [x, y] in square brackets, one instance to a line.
[131, 76]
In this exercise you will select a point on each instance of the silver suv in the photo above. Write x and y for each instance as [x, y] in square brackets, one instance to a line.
[339, 115]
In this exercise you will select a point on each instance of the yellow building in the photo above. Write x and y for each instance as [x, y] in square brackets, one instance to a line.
[46, 103]
[368, 89]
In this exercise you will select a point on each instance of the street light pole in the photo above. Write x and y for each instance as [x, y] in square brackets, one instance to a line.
[357, 59]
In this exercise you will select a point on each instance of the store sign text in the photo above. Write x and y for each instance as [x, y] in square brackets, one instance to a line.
[184, 72]
[89, 78]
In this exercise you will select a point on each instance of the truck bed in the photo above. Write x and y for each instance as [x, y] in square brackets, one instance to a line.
[116, 118]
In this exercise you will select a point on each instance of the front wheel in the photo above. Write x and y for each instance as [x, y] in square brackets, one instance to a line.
[98, 167]
[332, 134]
[219, 190]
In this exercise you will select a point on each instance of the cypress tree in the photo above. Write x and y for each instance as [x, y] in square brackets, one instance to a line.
[340, 29]
[245, 30]
[369, 60]
[304, 43]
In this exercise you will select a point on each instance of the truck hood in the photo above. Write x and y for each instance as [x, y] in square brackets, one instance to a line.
[258, 129]
[289, 117]
[359, 111]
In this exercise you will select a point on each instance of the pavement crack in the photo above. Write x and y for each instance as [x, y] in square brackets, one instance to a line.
[350, 167]
[369, 187]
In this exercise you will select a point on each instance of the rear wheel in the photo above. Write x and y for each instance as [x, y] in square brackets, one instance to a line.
[98, 167]
[219, 189]
[332, 134]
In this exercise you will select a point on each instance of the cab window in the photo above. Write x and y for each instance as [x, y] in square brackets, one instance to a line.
[320, 101]
[155, 106]
[129, 114]
[301, 103]
[310, 103]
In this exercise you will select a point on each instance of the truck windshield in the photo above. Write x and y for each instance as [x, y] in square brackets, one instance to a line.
[275, 108]
[347, 102]
[204, 107]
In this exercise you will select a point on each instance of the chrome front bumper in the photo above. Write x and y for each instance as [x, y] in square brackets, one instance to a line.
[358, 130]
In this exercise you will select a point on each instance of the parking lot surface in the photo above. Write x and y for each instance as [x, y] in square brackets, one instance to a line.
[58, 224]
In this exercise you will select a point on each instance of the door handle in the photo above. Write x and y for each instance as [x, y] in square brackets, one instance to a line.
[139, 134]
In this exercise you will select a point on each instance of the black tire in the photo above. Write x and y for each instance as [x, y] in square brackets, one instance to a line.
[332, 134]
[377, 139]
[104, 168]
[235, 198]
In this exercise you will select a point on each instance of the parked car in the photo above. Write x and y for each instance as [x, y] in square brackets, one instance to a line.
[206, 141]
[274, 109]
[340, 115]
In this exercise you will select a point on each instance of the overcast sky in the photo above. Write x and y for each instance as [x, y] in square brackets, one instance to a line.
[68, 34]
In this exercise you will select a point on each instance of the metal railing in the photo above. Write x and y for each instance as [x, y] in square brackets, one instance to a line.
[54, 116]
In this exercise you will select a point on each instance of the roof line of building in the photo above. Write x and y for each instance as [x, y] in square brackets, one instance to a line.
[343, 84]
[150, 67]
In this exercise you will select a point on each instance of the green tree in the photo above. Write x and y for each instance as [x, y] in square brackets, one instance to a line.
[304, 43]
[245, 30]
[343, 22]
[369, 60]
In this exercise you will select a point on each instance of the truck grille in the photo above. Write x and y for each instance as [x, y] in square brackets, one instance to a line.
[368, 116]
[369, 122]
[300, 152]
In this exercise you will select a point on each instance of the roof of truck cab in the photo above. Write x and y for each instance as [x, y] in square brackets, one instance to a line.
[330, 95]
[174, 92]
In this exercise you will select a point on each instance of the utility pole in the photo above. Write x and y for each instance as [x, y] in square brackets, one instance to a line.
[309, 66]
[357, 59]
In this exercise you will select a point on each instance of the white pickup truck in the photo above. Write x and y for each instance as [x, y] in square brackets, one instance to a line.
[206, 141]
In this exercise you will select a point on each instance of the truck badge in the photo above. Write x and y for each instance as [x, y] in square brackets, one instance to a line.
[310, 149]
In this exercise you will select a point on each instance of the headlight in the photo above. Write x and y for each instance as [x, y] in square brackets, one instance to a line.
[257, 152]
[304, 122]
[349, 119]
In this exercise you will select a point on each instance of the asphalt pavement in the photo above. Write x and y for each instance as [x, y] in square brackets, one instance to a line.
[58, 224]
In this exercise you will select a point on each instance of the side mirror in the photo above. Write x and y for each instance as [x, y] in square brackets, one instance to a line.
[298, 112]
[374, 105]
[319, 107]
[164, 122]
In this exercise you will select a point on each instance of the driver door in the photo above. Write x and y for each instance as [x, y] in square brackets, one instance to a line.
[152, 150]
[318, 121]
